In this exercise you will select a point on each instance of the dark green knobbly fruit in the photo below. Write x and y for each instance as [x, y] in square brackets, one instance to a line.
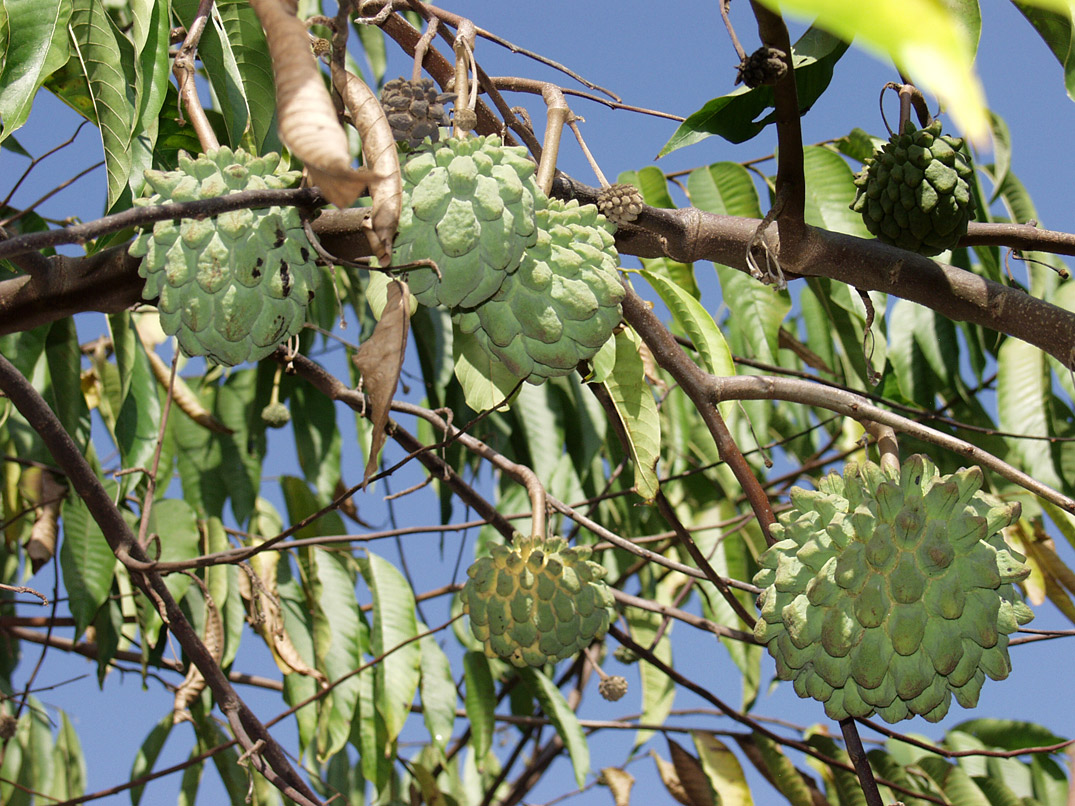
[468, 205]
[536, 601]
[890, 591]
[415, 110]
[234, 286]
[625, 655]
[562, 304]
[915, 193]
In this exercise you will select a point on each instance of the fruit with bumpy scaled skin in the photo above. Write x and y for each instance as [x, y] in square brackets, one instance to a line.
[915, 193]
[563, 303]
[620, 203]
[536, 601]
[415, 110]
[469, 206]
[890, 591]
[231, 287]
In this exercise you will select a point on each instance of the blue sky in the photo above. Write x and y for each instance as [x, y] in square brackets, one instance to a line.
[670, 56]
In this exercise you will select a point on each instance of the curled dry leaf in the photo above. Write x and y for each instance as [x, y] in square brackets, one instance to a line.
[619, 783]
[194, 682]
[380, 359]
[183, 396]
[307, 118]
[47, 495]
[380, 156]
[270, 625]
[671, 780]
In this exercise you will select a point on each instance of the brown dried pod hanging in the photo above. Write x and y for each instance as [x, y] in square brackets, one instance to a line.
[307, 118]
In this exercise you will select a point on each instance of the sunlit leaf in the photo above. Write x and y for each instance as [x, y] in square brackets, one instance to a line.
[931, 41]
[563, 718]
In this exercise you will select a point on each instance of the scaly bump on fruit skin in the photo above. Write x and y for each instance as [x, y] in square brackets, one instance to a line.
[415, 110]
[915, 193]
[536, 601]
[469, 206]
[235, 286]
[890, 592]
[563, 303]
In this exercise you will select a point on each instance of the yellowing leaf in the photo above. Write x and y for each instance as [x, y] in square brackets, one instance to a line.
[924, 37]
[723, 769]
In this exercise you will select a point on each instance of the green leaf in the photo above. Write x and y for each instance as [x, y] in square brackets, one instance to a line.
[830, 188]
[735, 116]
[953, 781]
[634, 403]
[1054, 25]
[33, 45]
[844, 783]
[933, 42]
[394, 623]
[317, 439]
[1022, 401]
[724, 188]
[86, 560]
[563, 718]
[486, 383]
[480, 702]
[1010, 734]
[69, 767]
[700, 328]
[236, 58]
[64, 392]
[175, 522]
[147, 755]
[234, 776]
[781, 772]
[138, 420]
[337, 628]
[98, 55]
[215, 467]
[437, 690]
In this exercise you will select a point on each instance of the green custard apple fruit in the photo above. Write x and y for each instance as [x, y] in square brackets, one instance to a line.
[234, 286]
[468, 205]
[890, 591]
[915, 193]
[562, 304]
[536, 601]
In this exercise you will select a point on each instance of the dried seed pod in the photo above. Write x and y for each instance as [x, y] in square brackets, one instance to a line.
[620, 203]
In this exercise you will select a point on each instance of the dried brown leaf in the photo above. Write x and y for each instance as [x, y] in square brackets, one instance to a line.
[194, 682]
[307, 118]
[691, 776]
[379, 154]
[670, 779]
[380, 359]
[619, 783]
[41, 547]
